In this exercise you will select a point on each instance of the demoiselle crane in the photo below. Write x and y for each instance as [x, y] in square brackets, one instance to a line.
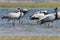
[15, 16]
[49, 17]
[38, 15]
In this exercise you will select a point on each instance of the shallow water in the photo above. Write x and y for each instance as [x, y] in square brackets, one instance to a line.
[29, 27]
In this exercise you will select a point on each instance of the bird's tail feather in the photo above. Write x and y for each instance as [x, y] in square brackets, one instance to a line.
[4, 17]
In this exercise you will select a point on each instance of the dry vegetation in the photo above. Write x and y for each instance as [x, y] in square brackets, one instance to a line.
[29, 38]
[29, 5]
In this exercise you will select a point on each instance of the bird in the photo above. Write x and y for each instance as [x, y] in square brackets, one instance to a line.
[38, 15]
[47, 18]
[14, 16]
[50, 17]
[24, 10]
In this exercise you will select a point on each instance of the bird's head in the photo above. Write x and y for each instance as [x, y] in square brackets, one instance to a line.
[18, 8]
[55, 9]
[45, 12]
[24, 10]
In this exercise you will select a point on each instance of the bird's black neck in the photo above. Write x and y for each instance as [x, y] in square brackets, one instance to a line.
[45, 13]
[56, 15]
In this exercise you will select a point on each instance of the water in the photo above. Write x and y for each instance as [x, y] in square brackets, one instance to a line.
[29, 27]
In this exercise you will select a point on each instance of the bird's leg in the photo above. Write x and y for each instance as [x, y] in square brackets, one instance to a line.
[22, 20]
[37, 22]
[14, 22]
[19, 21]
[8, 20]
[45, 24]
[52, 24]
[41, 22]
[48, 24]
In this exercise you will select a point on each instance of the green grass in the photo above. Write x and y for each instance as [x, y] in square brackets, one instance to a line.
[29, 5]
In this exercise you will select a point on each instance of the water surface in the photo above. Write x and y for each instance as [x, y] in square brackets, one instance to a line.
[29, 27]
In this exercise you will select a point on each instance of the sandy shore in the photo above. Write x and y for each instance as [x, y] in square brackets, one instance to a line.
[29, 38]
